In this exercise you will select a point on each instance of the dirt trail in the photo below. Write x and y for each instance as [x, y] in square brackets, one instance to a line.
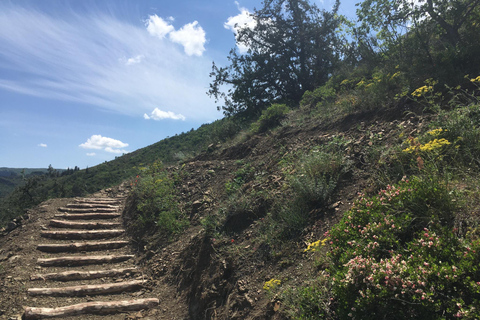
[71, 259]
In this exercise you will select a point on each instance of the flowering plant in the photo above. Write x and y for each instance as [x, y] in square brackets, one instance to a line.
[395, 255]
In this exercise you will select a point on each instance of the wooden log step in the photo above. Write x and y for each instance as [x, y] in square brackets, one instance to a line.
[90, 205]
[84, 225]
[81, 260]
[87, 290]
[88, 216]
[83, 275]
[82, 246]
[98, 200]
[95, 308]
[81, 234]
[87, 210]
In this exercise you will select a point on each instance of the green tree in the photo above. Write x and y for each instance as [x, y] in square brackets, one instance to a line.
[428, 37]
[291, 49]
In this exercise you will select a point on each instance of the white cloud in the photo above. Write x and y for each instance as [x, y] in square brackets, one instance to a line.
[192, 37]
[88, 59]
[158, 27]
[43, 145]
[98, 142]
[117, 151]
[134, 60]
[158, 114]
[91, 154]
[236, 23]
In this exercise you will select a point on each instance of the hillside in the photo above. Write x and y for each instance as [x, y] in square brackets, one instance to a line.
[10, 178]
[343, 182]
[234, 235]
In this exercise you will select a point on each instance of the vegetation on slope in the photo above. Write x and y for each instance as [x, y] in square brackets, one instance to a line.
[393, 115]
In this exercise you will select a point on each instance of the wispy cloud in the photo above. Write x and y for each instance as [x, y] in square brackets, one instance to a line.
[110, 145]
[158, 114]
[43, 145]
[91, 154]
[135, 60]
[99, 60]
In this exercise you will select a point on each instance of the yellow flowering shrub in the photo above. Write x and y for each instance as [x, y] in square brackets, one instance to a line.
[422, 91]
[429, 146]
[271, 284]
[314, 245]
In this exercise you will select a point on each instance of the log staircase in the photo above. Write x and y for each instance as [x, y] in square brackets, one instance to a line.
[86, 262]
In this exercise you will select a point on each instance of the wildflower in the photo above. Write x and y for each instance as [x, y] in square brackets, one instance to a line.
[475, 80]
[436, 132]
[271, 284]
[419, 92]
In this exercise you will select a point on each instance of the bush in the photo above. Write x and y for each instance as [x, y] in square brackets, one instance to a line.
[156, 201]
[270, 117]
[317, 176]
[395, 255]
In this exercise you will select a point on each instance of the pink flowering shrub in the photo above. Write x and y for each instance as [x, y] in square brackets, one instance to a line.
[395, 256]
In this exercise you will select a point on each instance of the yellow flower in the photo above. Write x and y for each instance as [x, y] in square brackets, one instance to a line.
[361, 83]
[476, 80]
[314, 245]
[395, 75]
[435, 144]
[436, 132]
[271, 284]
[419, 92]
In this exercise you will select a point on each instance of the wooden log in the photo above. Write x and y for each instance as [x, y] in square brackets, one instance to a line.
[88, 216]
[98, 200]
[82, 275]
[87, 210]
[90, 205]
[82, 260]
[80, 234]
[84, 225]
[87, 290]
[96, 308]
[81, 246]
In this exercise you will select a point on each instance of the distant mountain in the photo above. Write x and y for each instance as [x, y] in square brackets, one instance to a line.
[10, 178]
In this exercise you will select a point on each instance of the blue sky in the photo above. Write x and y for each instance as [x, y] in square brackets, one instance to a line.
[82, 82]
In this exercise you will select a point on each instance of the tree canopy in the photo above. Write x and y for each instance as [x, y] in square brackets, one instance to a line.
[291, 49]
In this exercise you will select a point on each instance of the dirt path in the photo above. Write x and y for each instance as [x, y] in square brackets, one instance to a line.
[71, 259]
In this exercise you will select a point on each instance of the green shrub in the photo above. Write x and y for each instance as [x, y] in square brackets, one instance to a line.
[461, 126]
[157, 202]
[270, 117]
[317, 175]
[395, 255]
[320, 97]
